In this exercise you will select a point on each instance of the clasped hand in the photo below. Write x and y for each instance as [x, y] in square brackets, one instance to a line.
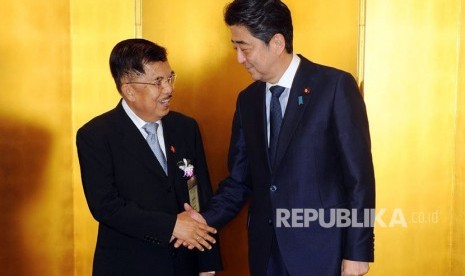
[192, 231]
[354, 268]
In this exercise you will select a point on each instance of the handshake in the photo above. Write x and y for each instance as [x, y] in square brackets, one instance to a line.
[191, 230]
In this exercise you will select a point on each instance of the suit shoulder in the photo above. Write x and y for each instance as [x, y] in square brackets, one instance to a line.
[251, 89]
[100, 122]
[335, 72]
[324, 70]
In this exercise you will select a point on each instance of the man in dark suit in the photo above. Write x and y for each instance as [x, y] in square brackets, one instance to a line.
[300, 148]
[136, 161]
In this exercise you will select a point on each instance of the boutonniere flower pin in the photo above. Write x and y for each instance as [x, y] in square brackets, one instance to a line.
[186, 166]
[188, 169]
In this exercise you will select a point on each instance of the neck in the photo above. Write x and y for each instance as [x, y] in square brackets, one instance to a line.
[281, 66]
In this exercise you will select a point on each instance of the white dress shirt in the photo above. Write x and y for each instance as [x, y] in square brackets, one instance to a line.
[286, 82]
[140, 124]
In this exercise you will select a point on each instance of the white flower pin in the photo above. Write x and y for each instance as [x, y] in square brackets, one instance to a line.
[186, 167]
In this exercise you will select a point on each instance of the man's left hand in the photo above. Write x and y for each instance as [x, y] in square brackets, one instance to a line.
[353, 268]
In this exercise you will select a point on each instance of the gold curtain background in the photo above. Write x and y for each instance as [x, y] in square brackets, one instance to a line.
[54, 77]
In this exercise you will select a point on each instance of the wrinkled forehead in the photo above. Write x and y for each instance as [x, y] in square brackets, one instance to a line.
[157, 69]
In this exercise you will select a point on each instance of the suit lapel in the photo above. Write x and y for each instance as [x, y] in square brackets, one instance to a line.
[174, 144]
[259, 119]
[170, 150]
[299, 99]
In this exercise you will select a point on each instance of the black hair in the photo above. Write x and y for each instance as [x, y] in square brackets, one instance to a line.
[129, 56]
[263, 19]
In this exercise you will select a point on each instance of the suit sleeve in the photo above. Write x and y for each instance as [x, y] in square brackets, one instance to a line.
[353, 139]
[105, 203]
[208, 260]
[233, 191]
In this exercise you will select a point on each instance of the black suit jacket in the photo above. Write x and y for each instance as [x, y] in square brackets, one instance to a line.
[134, 201]
[323, 162]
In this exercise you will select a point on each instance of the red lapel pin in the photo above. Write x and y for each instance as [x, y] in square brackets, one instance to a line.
[307, 90]
[173, 150]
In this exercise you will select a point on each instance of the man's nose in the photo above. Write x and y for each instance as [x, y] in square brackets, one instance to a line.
[167, 88]
[240, 56]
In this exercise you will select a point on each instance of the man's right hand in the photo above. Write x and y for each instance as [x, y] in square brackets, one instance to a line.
[192, 232]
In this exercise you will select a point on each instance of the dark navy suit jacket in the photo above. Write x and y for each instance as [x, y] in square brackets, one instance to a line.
[134, 201]
[323, 162]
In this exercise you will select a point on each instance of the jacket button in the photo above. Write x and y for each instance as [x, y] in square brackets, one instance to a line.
[273, 188]
[270, 222]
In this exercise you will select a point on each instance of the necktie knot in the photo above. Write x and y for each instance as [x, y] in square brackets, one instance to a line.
[151, 128]
[276, 91]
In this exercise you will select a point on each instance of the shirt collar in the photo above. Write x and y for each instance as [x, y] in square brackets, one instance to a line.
[288, 77]
[134, 118]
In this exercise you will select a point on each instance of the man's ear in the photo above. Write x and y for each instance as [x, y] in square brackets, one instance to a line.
[127, 91]
[278, 43]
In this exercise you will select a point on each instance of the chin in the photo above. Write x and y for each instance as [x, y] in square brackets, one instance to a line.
[165, 112]
[255, 76]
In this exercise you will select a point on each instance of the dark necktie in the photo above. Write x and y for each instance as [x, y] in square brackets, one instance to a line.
[152, 139]
[276, 117]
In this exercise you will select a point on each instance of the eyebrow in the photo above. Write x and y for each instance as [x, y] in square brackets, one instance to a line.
[241, 42]
[161, 77]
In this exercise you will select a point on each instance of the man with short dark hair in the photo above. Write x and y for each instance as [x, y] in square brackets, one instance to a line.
[300, 144]
[136, 161]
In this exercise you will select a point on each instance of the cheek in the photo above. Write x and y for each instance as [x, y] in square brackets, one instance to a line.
[259, 64]
[154, 97]
[260, 60]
